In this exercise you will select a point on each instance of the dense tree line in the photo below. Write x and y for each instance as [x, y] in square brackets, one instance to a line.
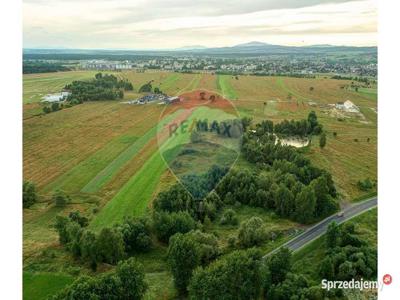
[346, 255]
[288, 183]
[302, 128]
[302, 199]
[53, 107]
[127, 282]
[110, 245]
[30, 67]
[102, 87]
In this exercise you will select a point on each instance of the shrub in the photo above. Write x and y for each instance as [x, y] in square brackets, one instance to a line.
[252, 232]
[60, 198]
[183, 258]
[365, 185]
[29, 196]
[229, 217]
[136, 234]
[236, 276]
[110, 245]
[167, 224]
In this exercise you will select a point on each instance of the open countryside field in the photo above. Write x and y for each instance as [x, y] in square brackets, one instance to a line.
[225, 88]
[134, 197]
[35, 86]
[106, 154]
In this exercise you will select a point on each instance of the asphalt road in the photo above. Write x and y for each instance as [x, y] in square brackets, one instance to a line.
[319, 229]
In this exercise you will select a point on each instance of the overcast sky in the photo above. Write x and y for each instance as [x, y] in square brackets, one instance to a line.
[157, 24]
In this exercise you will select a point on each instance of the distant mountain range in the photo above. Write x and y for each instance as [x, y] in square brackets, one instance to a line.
[253, 48]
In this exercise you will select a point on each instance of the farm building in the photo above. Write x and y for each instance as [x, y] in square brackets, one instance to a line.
[347, 106]
[56, 97]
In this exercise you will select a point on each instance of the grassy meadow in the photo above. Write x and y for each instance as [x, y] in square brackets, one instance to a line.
[108, 157]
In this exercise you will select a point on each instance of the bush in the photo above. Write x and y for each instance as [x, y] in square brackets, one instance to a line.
[29, 196]
[229, 217]
[110, 245]
[167, 224]
[128, 282]
[132, 278]
[252, 232]
[236, 276]
[136, 235]
[365, 185]
[183, 258]
[60, 198]
[145, 88]
[76, 217]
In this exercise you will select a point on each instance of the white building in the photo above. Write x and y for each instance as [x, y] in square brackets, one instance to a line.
[56, 97]
[347, 106]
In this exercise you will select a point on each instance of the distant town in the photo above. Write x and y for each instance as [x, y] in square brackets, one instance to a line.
[260, 65]
[252, 58]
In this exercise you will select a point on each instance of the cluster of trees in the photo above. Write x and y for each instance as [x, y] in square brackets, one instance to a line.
[283, 189]
[243, 274]
[301, 128]
[281, 283]
[29, 196]
[109, 246]
[199, 185]
[30, 67]
[53, 107]
[228, 128]
[252, 232]
[196, 197]
[229, 217]
[189, 251]
[166, 224]
[347, 256]
[103, 87]
[127, 282]
[236, 276]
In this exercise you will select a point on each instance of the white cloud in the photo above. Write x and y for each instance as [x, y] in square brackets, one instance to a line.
[154, 24]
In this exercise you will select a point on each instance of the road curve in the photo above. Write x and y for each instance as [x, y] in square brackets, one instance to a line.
[319, 229]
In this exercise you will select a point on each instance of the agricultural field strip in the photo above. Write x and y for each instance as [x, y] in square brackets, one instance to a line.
[134, 196]
[110, 170]
[36, 86]
[225, 87]
[193, 84]
[168, 82]
[280, 83]
[85, 167]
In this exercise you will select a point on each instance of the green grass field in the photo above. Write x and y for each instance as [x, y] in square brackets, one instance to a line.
[107, 156]
[134, 197]
[39, 286]
[225, 88]
[36, 86]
